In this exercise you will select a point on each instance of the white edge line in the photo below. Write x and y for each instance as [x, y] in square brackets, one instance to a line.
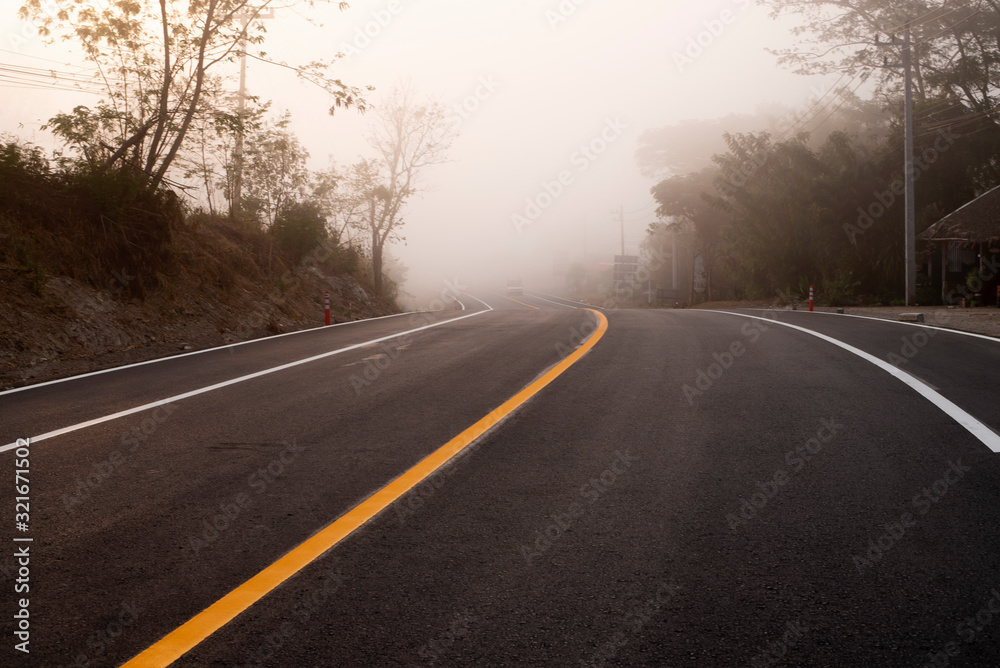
[584, 304]
[488, 307]
[989, 437]
[199, 352]
[895, 322]
[575, 308]
[233, 381]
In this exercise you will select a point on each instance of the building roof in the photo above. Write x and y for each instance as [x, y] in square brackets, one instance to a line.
[976, 221]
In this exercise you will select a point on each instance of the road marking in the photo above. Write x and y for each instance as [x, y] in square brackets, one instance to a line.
[988, 437]
[196, 352]
[583, 304]
[895, 322]
[178, 642]
[488, 307]
[521, 303]
[552, 302]
[227, 383]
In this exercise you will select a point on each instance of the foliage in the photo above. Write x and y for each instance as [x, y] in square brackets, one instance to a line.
[275, 171]
[102, 227]
[955, 54]
[299, 227]
[827, 209]
[687, 202]
[155, 62]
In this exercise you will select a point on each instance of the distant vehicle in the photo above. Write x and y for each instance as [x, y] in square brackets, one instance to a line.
[514, 287]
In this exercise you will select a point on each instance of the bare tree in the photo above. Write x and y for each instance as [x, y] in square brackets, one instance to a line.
[408, 136]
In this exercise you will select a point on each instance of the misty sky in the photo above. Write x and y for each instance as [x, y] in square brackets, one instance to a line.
[540, 80]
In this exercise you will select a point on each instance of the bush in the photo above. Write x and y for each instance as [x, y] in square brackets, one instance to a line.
[102, 227]
[298, 228]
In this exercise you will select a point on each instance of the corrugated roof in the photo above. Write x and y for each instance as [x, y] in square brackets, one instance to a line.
[976, 221]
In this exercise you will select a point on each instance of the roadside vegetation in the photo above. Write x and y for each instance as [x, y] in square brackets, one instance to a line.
[817, 198]
[168, 151]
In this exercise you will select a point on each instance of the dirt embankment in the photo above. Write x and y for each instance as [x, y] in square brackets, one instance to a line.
[224, 284]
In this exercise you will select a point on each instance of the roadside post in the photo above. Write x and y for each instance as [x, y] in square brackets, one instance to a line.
[810, 297]
[326, 306]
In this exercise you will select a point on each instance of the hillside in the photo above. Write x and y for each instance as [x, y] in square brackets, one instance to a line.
[94, 274]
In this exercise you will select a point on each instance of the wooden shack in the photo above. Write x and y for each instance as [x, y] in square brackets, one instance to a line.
[967, 257]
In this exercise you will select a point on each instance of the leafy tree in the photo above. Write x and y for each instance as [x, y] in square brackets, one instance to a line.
[274, 171]
[687, 202]
[298, 228]
[955, 57]
[155, 61]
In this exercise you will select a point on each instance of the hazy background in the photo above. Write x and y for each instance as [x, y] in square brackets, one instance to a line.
[537, 82]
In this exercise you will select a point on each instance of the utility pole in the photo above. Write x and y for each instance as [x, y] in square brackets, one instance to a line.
[237, 194]
[621, 217]
[910, 236]
[911, 239]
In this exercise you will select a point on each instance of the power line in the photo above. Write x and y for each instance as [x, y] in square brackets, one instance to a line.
[48, 60]
[949, 28]
[864, 78]
[923, 18]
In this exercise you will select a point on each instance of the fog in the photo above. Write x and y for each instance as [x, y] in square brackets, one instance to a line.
[549, 97]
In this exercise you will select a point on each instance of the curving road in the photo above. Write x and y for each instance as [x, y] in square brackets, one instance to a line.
[699, 488]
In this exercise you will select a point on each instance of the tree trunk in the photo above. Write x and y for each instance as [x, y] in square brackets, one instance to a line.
[195, 99]
[377, 267]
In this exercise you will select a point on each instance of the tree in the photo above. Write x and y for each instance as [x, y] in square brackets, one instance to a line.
[274, 171]
[341, 194]
[155, 61]
[955, 56]
[686, 201]
[298, 228]
[408, 136]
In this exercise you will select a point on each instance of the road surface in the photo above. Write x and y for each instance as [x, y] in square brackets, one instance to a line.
[696, 488]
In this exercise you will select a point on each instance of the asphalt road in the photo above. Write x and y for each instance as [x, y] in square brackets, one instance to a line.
[700, 488]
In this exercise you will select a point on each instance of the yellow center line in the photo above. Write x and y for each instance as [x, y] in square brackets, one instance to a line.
[523, 304]
[181, 640]
[515, 301]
